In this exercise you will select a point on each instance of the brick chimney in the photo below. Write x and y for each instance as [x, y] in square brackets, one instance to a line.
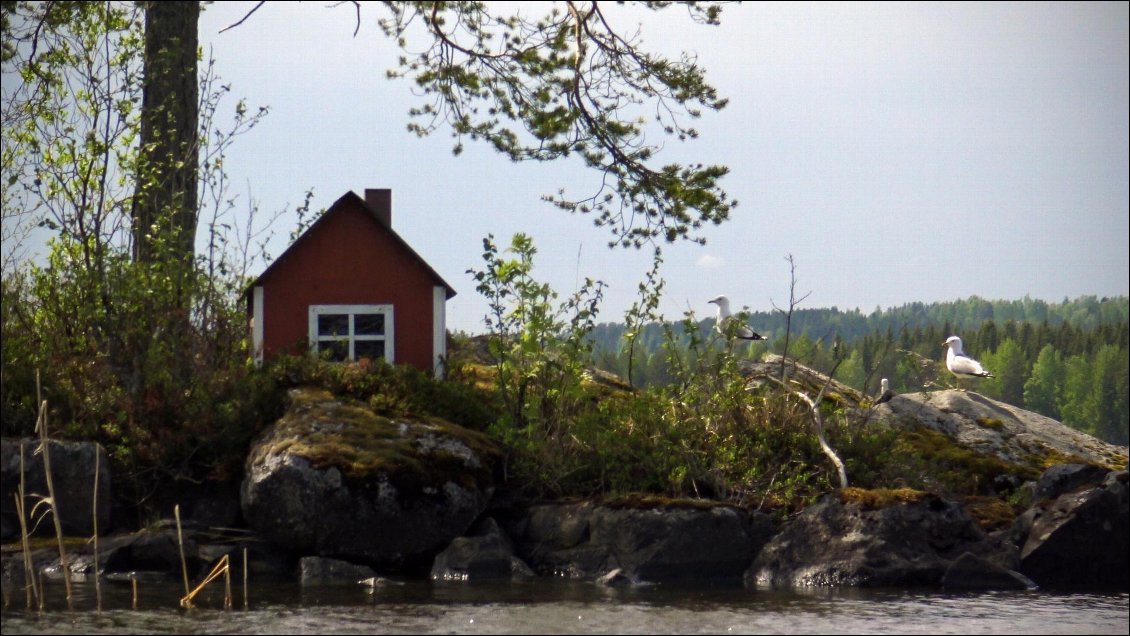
[379, 201]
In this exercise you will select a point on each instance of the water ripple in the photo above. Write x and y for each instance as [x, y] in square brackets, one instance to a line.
[570, 607]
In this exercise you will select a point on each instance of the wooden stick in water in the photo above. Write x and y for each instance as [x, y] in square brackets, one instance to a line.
[244, 578]
[221, 568]
[227, 584]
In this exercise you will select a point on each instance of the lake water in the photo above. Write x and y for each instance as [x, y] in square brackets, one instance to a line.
[564, 606]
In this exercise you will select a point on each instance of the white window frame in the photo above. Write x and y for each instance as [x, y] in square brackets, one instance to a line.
[439, 329]
[351, 311]
[257, 324]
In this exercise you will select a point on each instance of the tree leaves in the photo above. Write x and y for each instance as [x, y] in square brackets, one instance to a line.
[569, 84]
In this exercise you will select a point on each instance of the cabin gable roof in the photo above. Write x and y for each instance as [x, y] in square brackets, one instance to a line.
[350, 199]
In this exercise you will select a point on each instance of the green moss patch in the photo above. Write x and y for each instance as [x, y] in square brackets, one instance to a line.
[990, 422]
[991, 513]
[1045, 457]
[879, 498]
[941, 464]
[36, 543]
[648, 502]
[335, 432]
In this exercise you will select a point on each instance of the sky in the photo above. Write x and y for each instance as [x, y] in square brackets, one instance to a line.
[899, 152]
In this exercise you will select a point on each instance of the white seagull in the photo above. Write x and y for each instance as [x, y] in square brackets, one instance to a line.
[961, 365]
[885, 393]
[723, 320]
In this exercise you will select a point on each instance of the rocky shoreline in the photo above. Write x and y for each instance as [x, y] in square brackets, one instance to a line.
[418, 499]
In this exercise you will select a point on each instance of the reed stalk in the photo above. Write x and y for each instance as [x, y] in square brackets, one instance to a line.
[44, 445]
[94, 518]
[29, 569]
[180, 543]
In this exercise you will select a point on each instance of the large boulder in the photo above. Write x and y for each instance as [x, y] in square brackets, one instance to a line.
[332, 478]
[553, 539]
[867, 539]
[648, 540]
[681, 543]
[1079, 538]
[486, 554]
[1010, 433]
[73, 476]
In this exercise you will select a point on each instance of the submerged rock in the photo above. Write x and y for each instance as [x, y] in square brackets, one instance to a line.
[150, 551]
[323, 571]
[331, 478]
[971, 572]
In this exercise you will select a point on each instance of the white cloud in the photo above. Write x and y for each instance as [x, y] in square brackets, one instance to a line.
[709, 261]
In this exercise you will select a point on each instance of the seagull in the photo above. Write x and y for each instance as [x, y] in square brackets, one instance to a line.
[723, 320]
[961, 365]
[885, 393]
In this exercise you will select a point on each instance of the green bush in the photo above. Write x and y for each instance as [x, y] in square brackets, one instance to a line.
[169, 392]
[391, 390]
[705, 434]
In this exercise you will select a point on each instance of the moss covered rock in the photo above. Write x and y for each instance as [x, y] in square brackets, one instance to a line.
[1010, 433]
[334, 479]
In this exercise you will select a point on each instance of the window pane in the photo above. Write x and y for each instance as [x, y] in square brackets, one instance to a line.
[338, 349]
[372, 349]
[369, 324]
[333, 325]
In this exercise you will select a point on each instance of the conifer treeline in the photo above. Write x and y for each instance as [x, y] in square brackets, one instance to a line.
[1067, 361]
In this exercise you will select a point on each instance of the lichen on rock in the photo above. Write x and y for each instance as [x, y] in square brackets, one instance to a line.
[332, 478]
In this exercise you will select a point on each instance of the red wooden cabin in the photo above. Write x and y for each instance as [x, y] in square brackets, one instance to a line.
[352, 286]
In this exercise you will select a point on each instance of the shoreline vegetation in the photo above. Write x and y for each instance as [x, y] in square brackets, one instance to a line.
[767, 436]
[749, 435]
[989, 500]
[129, 337]
[580, 408]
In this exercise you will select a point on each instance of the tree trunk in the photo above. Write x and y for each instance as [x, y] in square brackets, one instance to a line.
[164, 206]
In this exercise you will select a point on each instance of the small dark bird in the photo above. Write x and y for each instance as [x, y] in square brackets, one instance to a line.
[885, 393]
[723, 321]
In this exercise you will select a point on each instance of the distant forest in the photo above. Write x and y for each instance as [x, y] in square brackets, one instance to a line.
[1067, 361]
